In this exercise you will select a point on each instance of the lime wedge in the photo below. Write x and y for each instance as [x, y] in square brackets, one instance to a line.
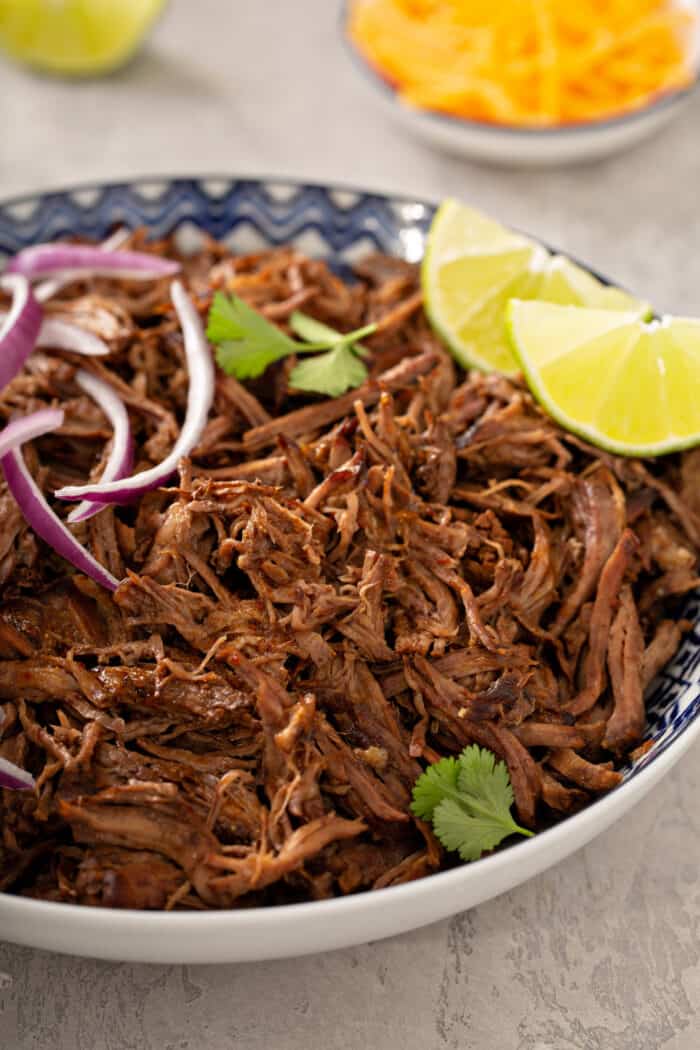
[562, 281]
[75, 37]
[473, 266]
[628, 386]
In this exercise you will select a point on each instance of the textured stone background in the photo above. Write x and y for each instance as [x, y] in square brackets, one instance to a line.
[602, 952]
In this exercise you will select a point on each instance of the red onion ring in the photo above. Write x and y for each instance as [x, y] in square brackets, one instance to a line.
[57, 259]
[57, 334]
[120, 461]
[39, 515]
[19, 431]
[200, 395]
[12, 776]
[20, 328]
[47, 289]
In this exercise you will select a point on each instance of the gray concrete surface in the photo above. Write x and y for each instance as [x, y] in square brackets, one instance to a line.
[602, 952]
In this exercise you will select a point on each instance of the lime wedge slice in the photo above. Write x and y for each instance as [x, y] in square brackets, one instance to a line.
[75, 37]
[471, 269]
[562, 281]
[628, 386]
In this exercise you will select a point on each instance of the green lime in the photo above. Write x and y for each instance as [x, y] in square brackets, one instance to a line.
[630, 386]
[75, 37]
[473, 267]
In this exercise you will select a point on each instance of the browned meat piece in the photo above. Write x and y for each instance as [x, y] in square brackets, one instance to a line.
[690, 480]
[242, 400]
[104, 542]
[550, 734]
[379, 269]
[305, 420]
[260, 869]
[18, 550]
[669, 549]
[298, 466]
[598, 514]
[359, 783]
[168, 828]
[101, 315]
[560, 798]
[660, 650]
[539, 582]
[586, 774]
[601, 618]
[358, 864]
[437, 472]
[115, 878]
[625, 665]
[365, 626]
[34, 682]
[671, 584]
[524, 773]
[464, 663]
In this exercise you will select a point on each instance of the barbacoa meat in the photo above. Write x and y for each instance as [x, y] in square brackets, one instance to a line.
[332, 594]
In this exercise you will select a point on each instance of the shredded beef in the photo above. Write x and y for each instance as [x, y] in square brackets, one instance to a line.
[331, 595]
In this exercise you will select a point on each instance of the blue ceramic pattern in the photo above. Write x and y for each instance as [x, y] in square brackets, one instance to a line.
[338, 223]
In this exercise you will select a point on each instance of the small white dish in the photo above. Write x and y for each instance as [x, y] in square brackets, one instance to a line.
[511, 146]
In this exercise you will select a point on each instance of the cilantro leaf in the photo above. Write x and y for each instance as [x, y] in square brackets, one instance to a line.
[331, 373]
[482, 777]
[468, 800]
[232, 319]
[244, 361]
[438, 782]
[247, 343]
[314, 331]
[466, 835]
[223, 321]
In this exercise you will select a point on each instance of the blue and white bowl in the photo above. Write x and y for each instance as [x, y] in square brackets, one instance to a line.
[341, 225]
[513, 146]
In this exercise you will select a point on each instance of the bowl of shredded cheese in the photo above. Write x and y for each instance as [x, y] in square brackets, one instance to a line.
[528, 81]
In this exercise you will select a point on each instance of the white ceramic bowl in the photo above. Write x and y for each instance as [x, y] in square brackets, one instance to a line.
[512, 146]
[341, 224]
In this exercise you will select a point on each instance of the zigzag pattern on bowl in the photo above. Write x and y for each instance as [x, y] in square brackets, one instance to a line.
[341, 222]
[337, 223]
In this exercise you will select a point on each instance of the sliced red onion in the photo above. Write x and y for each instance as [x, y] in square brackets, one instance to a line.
[19, 431]
[20, 328]
[116, 239]
[11, 776]
[58, 334]
[45, 523]
[47, 289]
[200, 395]
[57, 259]
[120, 462]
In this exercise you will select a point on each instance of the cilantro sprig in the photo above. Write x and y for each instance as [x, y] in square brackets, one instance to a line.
[247, 343]
[468, 799]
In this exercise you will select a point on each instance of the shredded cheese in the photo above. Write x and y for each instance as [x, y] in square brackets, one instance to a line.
[527, 62]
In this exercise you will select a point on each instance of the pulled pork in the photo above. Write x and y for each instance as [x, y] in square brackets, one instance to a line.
[333, 594]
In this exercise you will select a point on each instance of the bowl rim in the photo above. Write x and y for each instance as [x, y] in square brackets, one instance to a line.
[660, 103]
[658, 760]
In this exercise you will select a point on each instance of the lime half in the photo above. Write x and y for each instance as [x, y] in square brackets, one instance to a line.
[75, 37]
[473, 267]
[623, 384]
